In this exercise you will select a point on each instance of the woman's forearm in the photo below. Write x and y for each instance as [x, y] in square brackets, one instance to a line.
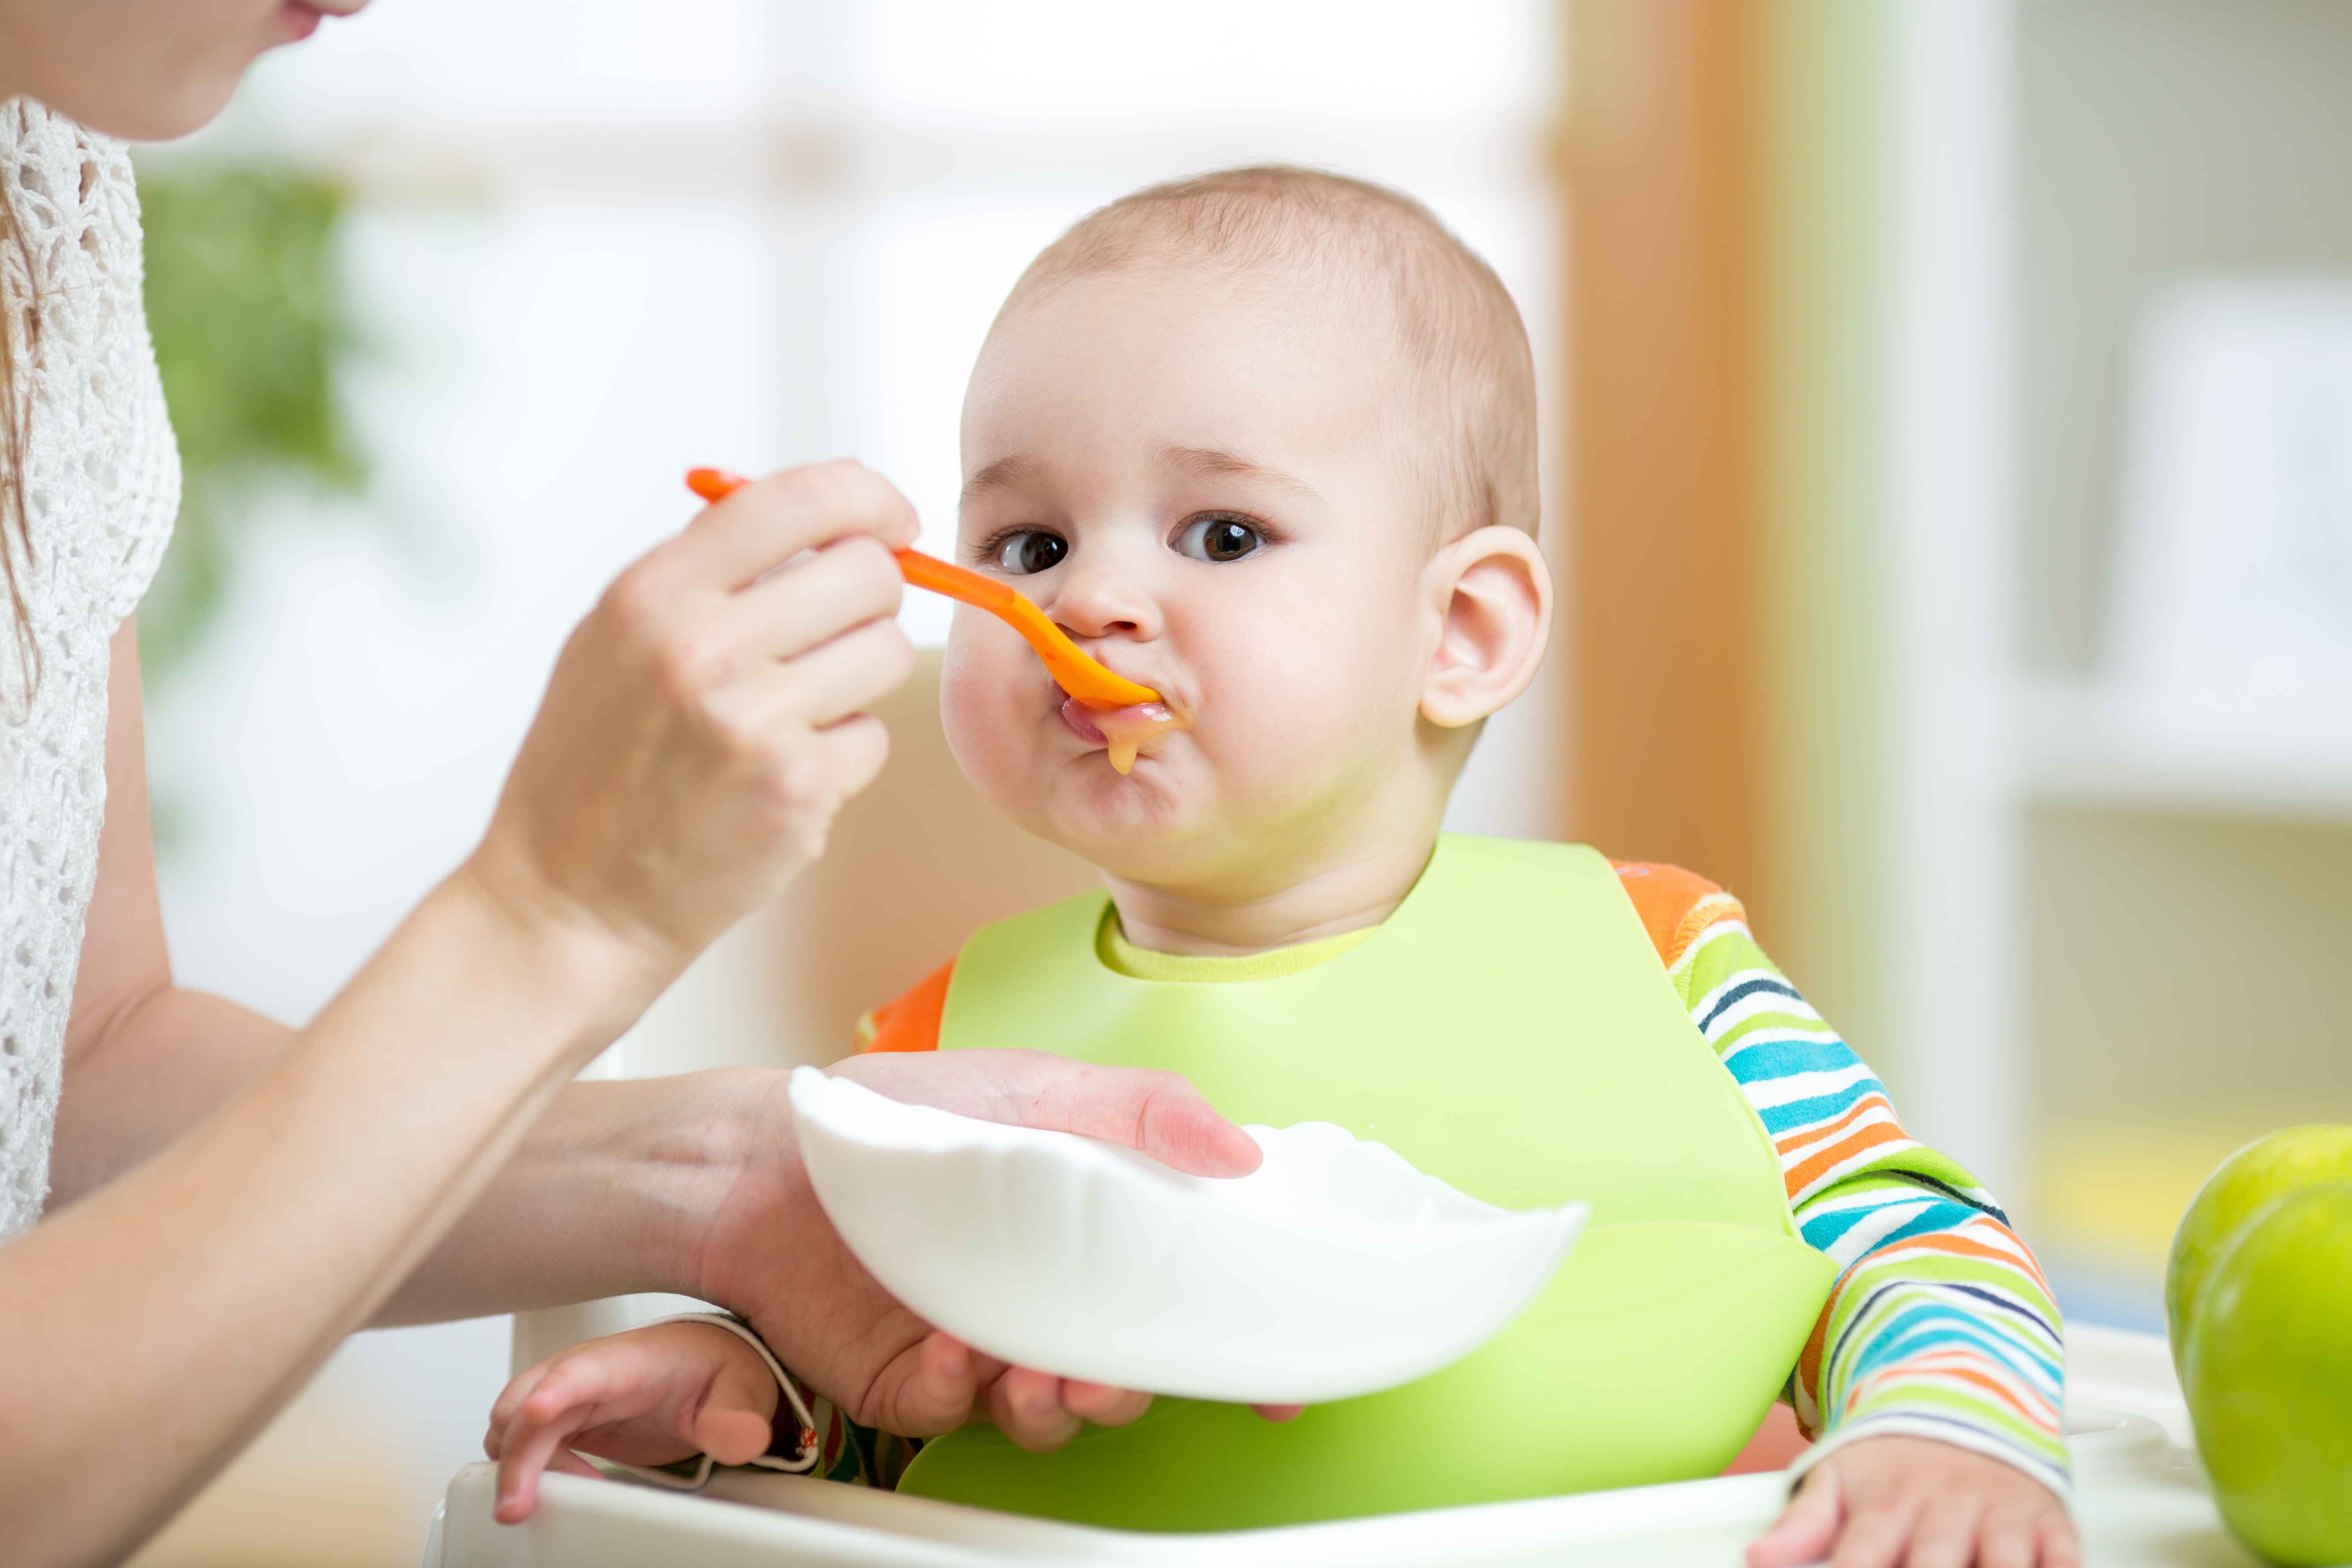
[604, 1196]
[162, 1064]
[610, 1192]
[200, 1289]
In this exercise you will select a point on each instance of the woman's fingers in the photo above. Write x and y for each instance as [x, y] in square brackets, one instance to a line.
[949, 1384]
[857, 748]
[1103, 1404]
[1805, 1529]
[846, 583]
[685, 762]
[1027, 1407]
[1160, 1113]
[835, 680]
[771, 519]
[934, 1387]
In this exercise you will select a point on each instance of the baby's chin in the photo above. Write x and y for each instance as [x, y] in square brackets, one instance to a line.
[1153, 818]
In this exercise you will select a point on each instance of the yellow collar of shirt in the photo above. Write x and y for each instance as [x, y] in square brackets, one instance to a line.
[1141, 963]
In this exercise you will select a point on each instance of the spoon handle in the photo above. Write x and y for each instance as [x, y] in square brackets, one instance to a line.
[1081, 676]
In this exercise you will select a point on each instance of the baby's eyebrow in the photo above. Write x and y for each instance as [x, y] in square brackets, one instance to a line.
[1003, 474]
[1207, 462]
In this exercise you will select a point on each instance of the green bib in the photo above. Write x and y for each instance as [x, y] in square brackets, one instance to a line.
[1510, 1029]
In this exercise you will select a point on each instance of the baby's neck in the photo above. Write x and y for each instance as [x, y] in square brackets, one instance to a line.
[1347, 894]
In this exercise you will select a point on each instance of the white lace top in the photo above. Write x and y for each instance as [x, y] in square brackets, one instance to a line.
[101, 486]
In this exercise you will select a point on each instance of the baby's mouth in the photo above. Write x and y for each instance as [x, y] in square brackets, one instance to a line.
[1122, 732]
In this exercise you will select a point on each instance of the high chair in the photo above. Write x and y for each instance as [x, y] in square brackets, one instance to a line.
[2141, 1498]
[914, 865]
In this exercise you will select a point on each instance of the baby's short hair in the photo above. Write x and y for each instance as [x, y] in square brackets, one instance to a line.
[1459, 332]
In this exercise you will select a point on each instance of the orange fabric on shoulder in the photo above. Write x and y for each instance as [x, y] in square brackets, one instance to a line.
[912, 1022]
[1675, 905]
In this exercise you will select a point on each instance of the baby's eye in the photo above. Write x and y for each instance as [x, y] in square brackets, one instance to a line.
[1218, 539]
[1030, 551]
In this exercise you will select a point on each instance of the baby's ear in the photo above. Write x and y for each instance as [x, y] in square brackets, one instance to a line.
[1492, 593]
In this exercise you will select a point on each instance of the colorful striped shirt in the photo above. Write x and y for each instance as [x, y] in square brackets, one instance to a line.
[1940, 1324]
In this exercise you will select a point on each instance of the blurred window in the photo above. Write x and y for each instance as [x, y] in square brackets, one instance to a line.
[820, 206]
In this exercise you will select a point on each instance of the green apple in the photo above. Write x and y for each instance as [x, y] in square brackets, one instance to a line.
[2268, 1372]
[2264, 1170]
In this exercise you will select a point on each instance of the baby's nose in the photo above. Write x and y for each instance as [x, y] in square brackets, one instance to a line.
[1099, 600]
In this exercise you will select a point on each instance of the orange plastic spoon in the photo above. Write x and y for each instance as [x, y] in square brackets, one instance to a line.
[1067, 663]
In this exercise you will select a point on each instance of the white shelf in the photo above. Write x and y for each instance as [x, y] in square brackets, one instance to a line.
[2089, 746]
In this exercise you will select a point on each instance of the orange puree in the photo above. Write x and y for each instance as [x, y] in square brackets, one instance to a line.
[1128, 731]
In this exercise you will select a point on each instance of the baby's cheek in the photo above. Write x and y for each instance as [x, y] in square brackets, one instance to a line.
[1280, 729]
[974, 710]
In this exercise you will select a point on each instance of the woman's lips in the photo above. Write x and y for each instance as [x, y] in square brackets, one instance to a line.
[302, 17]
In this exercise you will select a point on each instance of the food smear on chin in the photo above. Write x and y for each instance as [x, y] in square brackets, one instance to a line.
[1126, 731]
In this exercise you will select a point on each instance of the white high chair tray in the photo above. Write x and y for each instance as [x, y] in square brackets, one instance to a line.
[2140, 1496]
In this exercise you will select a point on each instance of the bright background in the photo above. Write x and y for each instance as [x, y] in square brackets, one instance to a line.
[2089, 923]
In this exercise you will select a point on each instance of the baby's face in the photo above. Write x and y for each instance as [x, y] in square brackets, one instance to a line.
[1202, 483]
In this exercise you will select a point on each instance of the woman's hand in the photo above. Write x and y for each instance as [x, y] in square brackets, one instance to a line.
[1919, 1503]
[768, 1253]
[652, 1396]
[704, 723]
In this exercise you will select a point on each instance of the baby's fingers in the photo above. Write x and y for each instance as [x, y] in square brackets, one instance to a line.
[510, 1399]
[1806, 1527]
[2061, 1540]
[529, 1449]
[1874, 1537]
[1948, 1535]
[2011, 1539]
[563, 1461]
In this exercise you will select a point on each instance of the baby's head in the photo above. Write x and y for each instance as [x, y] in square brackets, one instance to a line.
[1264, 440]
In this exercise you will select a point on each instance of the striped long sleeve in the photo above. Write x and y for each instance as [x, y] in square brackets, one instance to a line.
[1940, 1324]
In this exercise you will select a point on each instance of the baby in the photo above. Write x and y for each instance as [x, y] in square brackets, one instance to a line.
[1265, 441]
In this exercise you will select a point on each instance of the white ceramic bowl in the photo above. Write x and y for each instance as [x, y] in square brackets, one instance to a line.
[1334, 1269]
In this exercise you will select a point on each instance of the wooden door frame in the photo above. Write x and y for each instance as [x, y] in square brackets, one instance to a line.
[1666, 506]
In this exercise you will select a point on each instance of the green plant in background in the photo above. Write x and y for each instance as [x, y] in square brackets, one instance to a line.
[251, 320]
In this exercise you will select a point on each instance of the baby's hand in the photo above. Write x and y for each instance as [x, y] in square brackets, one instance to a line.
[651, 1396]
[1923, 1504]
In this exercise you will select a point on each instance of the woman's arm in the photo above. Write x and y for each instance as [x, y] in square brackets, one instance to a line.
[144, 1060]
[615, 1188]
[154, 1326]
[599, 1200]
[700, 729]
